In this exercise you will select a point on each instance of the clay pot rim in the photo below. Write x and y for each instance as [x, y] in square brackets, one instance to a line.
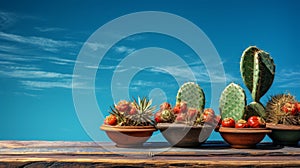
[244, 130]
[180, 125]
[283, 127]
[105, 127]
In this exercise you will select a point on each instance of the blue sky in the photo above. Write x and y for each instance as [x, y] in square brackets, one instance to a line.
[40, 42]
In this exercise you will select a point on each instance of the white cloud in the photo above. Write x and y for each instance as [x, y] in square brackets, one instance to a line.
[19, 67]
[46, 44]
[287, 78]
[26, 94]
[8, 48]
[113, 59]
[33, 74]
[96, 46]
[14, 58]
[49, 29]
[65, 83]
[173, 70]
[6, 63]
[199, 72]
[103, 67]
[59, 61]
[35, 85]
[148, 83]
[124, 49]
[135, 38]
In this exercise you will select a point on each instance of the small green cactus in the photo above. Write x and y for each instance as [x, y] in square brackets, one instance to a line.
[233, 102]
[167, 116]
[192, 94]
[255, 109]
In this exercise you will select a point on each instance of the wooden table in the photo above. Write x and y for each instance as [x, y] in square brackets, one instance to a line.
[154, 154]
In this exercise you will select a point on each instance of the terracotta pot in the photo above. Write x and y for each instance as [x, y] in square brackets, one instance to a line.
[128, 136]
[288, 135]
[181, 135]
[243, 137]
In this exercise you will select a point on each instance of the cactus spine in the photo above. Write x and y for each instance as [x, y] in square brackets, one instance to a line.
[233, 102]
[192, 94]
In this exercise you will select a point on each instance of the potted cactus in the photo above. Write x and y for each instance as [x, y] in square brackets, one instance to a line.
[257, 70]
[130, 124]
[187, 124]
[283, 117]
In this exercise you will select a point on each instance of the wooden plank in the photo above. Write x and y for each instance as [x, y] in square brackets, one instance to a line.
[154, 154]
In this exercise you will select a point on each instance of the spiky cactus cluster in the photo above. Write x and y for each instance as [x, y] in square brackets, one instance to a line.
[257, 70]
[136, 113]
[275, 112]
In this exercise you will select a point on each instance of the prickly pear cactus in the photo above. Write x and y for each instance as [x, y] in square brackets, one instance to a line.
[192, 94]
[255, 109]
[233, 102]
[257, 70]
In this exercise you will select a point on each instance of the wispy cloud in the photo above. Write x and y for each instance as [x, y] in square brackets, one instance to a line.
[33, 74]
[124, 49]
[139, 83]
[26, 58]
[14, 67]
[136, 38]
[6, 63]
[288, 78]
[113, 59]
[8, 48]
[58, 60]
[174, 70]
[50, 29]
[17, 58]
[38, 85]
[199, 71]
[35, 78]
[103, 67]
[96, 46]
[46, 44]
[65, 83]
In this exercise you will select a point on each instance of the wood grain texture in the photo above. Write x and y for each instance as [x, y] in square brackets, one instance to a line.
[156, 154]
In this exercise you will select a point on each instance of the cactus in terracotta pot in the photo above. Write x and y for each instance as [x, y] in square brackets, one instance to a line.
[187, 124]
[136, 113]
[189, 108]
[257, 70]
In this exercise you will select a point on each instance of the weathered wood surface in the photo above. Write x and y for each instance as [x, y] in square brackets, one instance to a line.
[155, 154]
